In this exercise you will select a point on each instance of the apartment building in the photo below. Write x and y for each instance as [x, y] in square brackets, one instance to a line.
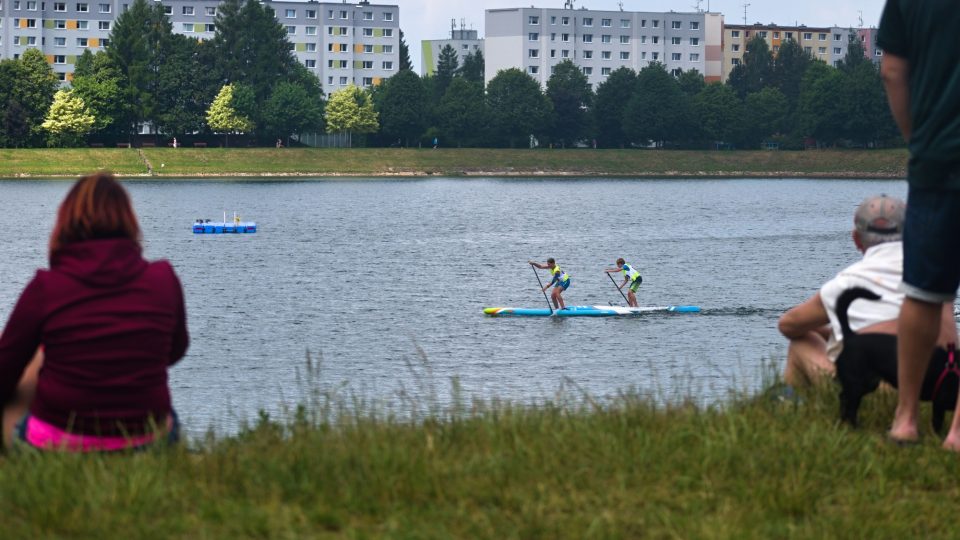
[463, 41]
[828, 45]
[535, 40]
[340, 43]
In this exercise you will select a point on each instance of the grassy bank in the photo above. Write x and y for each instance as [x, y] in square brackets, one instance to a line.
[756, 468]
[456, 162]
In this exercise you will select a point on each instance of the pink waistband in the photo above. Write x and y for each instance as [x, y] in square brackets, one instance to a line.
[48, 436]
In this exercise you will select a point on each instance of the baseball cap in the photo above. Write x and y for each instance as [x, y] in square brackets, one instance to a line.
[880, 214]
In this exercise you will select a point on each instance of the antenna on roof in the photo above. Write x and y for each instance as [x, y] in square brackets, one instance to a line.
[745, 6]
[568, 4]
[697, 6]
[453, 29]
[621, 6]
[861, 18]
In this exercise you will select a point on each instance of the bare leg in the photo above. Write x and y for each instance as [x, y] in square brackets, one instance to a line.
[919, 326]
[631, 299]
[807, 360]
[558, 297]
[23, 396]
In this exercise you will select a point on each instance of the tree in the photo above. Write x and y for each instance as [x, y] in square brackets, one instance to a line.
[223, 116]
[462, 114]
[16, 124]
[472, 68]
[517, 107]
[100, 85]
[719, 112]
[405, 62]
[765, 115]
[867, 116]
[756, 69]
[820, 113]
[68, 120]
[658, 111]
[187, 86]
[691, 82]
[610, 105]
[854, 57]
[571, 95]
[403, 107]
[34, 89]
[447, 66]
[350, 110]
[788, 69]
[291, 109]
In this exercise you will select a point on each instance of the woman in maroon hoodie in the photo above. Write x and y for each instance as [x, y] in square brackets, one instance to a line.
[102, 326]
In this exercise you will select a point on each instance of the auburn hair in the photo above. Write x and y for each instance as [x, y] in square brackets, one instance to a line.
[97, 207]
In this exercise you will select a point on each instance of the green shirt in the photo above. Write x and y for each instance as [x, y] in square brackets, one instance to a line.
[927, 34]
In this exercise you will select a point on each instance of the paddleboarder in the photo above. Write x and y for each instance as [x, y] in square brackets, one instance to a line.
[560, 281]
[631, 276]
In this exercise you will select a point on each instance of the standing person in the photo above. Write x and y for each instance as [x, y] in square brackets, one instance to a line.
[560, 281]
[630, 275]
[921, 74]
[110, 325]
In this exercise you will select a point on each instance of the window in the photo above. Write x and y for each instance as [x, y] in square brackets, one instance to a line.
[311, 47]
[789, 35]
[330, 14]
[564, 37]
[587, 55]
[329, 80]
[291, 30]
[388, 65]
[624, 55]
[675, 25]
[388, 49]
[368, 49]
[344, 81]
[694, 57]
[343, 14]
[675, 41]
[588, 21]
[643, 23]
[836, 37]
[82, 8]
[168, 10]
[736, 47]
[676, 72]
[60, 41]
[604, 71]
[61, 76]
[822, 50]
[695, 41]
[388, 32]
[735, 33]
[776, 35]
[534, 53]
[879, 52]
[553, 53]
[290, 13]
[187, 10]
[694, 25]
[588, 71]
[553, 20]
[643, 39]
[656, 55]
[565, 53]
[626, 39]
[605, 23]
[368, 81]
[643, 55]
[388, 16]
[103, 25]
[763, 34]
[59, 6]
[533, 36]
[656, 39]
[808, 35]
[31, 6]
[206, 27]
[533, 19]
[342, 64]
[31, 23]
[656, 23]
[735, 61]
[553, 36]
[59, 24]
[588, 38]
[82, 25]
[105, 8]
[808, 50]
[16, 5]
[308, 13]
[81, 42]
[605, 38]
[368, 15]
[186, 27]
[837, 50]
[367, 64]
[822, 37]
[212, 11]
[342, 47]
[565, 21]
[310, 30]
[368, 32]
[310, 63]
[533, 70]
[625, 23]
[104, 42]
[605, 55]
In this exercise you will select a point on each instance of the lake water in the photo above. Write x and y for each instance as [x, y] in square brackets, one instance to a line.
[386, 279]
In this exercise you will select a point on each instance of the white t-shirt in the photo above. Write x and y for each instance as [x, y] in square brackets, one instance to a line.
[880, 271]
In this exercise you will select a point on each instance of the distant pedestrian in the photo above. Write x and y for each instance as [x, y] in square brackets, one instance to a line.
[436, 143]
[174, 142]
[279, 143]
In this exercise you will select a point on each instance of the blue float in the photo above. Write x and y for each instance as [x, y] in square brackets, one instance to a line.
[205, 226]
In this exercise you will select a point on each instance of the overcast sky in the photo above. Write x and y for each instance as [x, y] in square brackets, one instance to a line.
[430, 19]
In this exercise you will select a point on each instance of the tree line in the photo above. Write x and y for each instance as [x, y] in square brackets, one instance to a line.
[247, 81]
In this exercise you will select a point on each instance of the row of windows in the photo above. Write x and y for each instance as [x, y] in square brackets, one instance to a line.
[331, 14]
[344, 47]
[344, 81]
[344, 31]
[30, 41]
[82, 7]
[607, 38]
[61, 24]
[534, 20]
[807, 36]
[607, 55]
[345, 64]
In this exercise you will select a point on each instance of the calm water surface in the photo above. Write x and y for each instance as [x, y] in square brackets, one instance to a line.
[377, 275]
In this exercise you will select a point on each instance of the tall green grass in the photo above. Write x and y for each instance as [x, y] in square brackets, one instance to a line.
[628, 467]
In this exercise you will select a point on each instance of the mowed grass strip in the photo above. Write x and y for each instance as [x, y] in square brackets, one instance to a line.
[68, 161]
[753, 468]
[576, 162]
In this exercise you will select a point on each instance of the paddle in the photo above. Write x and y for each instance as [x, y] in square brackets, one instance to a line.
[618, 289]
[541, 288]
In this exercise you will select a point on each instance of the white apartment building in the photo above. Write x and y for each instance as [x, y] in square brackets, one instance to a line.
[463, 41]
[535, 40]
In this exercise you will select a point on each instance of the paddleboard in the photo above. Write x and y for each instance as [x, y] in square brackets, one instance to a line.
[587, 311]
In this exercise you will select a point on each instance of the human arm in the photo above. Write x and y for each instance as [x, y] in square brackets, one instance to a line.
[181, 338]
[538, 265]
[808, 316]
[895, 72]
[20, 339]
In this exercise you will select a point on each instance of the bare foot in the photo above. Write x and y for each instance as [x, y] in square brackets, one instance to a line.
[952, 442]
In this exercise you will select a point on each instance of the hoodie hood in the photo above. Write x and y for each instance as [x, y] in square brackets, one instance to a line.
[100, 263]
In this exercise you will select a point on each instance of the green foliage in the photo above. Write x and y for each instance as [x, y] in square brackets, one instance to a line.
[447, 67]
[351, 110]
[31, 83]
[405, 63]
[186, 86]
[402, 107]
[571, 96]
[99, 83]
[68, 120]
[518, 108]
[755, 70]
[718, 112]
[658, 111]
[765, 115]
[472, 68]
[223, 116]
[788, 69]
[462, 113]
[691, 82]
[820, 114]
[610, 106]
[291, 109]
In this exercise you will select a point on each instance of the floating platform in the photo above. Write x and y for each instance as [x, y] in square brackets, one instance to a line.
[587, 311]
[222, 227]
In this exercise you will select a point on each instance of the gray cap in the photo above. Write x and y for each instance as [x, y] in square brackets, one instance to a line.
[880, 214]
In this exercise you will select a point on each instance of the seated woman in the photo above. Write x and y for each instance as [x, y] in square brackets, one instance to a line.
[84, 355]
